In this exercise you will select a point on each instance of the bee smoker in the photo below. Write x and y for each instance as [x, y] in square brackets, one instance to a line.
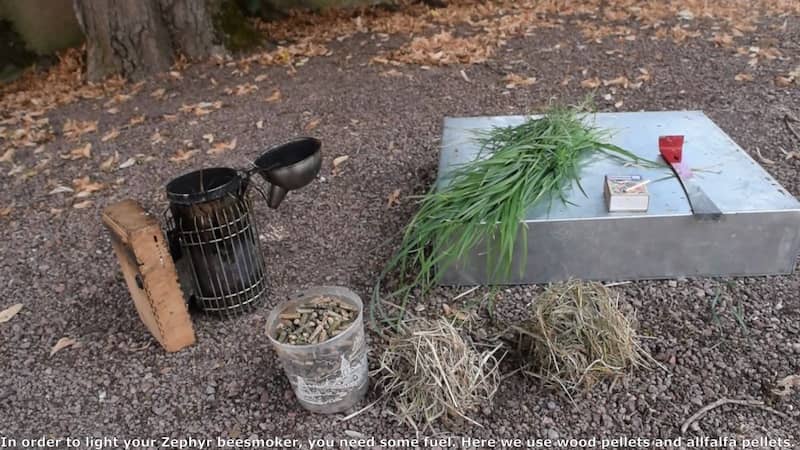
[213, 236]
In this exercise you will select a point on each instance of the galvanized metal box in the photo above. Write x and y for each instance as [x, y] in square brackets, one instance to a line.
[758, 234]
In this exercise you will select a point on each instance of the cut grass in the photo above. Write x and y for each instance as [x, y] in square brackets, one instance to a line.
[484, 201]
[433, 373]
[577, 334]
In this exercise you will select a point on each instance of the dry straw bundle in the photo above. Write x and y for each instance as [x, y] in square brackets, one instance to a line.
[432, 372]
[577, 334]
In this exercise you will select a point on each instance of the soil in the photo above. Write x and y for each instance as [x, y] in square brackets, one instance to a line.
[116, 381]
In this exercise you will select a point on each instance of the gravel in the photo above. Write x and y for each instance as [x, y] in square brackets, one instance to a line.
[118, 382]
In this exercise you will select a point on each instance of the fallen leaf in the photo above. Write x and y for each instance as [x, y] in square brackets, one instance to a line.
[260, 124]
[80, 152]
[112, 110]
[743, 77]
[11, 311]
[621, 81]
[60, 189]
[109, 163]
[62, 344]
[8, 156]
[782, 388]
[312, 125]
[783, 81]
[513, 80]
[156, 138]
[110, 135]
[6, 210]
[394, 198]
[590, 83]
[261, 78]
[82, 205]
[209, 137]
[136, 120]
[128, 163]
[338, 161]
[182, 155]
[85, 186]
[176, 75]
[275, 97]
[244, 89]
[391, 73]
[221, 147]
[75, 128]
[158, 93]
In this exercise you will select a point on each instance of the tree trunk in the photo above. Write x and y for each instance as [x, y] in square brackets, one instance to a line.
[138, 37]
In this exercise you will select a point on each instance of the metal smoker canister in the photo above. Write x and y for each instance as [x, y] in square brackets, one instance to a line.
[215, 230]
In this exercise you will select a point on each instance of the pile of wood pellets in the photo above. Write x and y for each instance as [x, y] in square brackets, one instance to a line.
[316, 321]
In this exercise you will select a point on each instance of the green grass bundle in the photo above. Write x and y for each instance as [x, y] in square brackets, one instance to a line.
[485, 200]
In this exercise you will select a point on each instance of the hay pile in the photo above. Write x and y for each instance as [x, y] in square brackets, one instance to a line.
[432, 372]
[577, 335]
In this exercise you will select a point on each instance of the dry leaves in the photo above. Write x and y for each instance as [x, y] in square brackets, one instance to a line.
[201, 108]
[83, 205]
[60, 190]
[591, 83]
[108, 164]
[128, 163]
[275, 97]
[8, 156]
[222, 147]
[10, 312]
[136, 120]
[260, 124]
[158, 93]
[394, 198]
[442, 49]
[74, 129]
[156, 138]
[621, 81]
[337, 162]
[110, 135]
[62, 344]
[310, 126]
[790, 78]
[743, 77]
[242, 89]
[513, 80]
[84, 151]
[85, 186]
[182, 155]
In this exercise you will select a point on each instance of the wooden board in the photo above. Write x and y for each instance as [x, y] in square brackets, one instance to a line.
[150, 273]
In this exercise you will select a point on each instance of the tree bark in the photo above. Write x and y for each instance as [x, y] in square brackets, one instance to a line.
[137, 37]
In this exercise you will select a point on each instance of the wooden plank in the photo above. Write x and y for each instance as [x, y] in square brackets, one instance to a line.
[150, 273]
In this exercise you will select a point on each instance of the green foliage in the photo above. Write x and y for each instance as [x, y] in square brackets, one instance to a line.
[485, 201]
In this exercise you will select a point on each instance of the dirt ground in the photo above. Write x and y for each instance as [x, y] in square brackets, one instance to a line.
[116, 381]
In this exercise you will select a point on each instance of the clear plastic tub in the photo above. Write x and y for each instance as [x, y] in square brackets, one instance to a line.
[331, 376]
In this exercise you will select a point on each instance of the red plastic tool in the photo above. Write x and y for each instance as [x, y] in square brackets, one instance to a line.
[671, 148]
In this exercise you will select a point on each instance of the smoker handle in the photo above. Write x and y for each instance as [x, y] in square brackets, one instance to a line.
[172, 235]
[261, 192]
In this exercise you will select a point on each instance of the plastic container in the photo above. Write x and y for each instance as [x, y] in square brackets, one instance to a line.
[331, 376]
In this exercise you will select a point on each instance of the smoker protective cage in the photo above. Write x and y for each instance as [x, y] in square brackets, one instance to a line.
[211, 225]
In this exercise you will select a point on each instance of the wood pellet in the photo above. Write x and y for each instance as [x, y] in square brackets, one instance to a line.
[316, 321]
